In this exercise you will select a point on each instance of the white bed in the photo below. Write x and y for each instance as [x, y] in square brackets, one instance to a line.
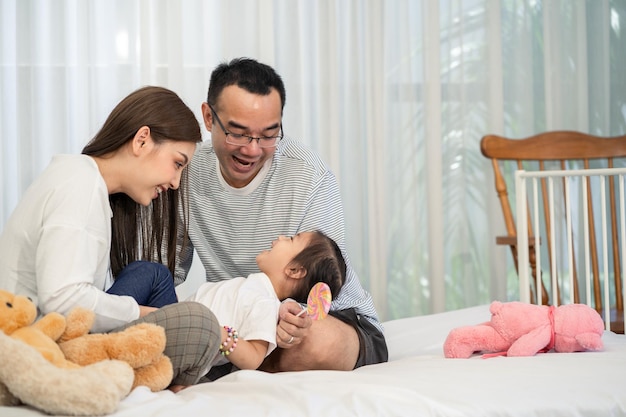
[417, 381]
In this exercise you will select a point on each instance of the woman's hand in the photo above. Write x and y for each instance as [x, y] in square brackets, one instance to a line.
[143, 310]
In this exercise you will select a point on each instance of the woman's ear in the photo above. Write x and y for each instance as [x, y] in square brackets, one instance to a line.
[295, 272]
[142, 140]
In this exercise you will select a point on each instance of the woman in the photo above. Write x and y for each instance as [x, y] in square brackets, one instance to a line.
[91, 224]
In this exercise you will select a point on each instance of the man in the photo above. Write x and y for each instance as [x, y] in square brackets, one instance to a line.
[250, 185]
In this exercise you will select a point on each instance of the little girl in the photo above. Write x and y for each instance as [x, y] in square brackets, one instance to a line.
[247, 307]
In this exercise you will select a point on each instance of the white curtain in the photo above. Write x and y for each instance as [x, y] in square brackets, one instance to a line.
[394, 94]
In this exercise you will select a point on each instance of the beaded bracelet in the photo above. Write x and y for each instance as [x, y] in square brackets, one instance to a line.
[232, 335]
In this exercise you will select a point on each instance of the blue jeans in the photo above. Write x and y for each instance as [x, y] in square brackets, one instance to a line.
[149, 283]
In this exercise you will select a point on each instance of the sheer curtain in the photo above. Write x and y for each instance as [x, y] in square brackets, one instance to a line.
[394, 94]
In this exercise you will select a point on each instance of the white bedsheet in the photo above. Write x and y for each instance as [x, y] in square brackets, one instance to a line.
[417, 381]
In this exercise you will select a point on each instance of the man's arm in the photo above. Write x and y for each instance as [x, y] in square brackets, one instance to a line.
[325, 213]
[329, 343]
[317, 344]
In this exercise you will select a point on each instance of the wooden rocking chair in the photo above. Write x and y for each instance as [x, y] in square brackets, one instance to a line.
[560, 150]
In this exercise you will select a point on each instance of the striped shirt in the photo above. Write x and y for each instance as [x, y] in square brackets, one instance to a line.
[294, 192]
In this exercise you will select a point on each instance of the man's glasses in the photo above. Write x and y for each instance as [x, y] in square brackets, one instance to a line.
[239, 139]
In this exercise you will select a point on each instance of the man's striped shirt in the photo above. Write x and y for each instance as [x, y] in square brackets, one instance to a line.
[294, 192]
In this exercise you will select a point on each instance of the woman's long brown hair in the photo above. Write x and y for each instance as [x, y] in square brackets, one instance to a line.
[147, 232]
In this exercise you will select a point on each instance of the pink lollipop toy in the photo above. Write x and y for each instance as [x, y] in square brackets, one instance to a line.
[318, 302]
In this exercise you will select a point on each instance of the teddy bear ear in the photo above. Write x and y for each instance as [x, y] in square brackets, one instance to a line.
[495, 307]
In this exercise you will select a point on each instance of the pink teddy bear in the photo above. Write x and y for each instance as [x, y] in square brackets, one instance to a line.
[521, 329]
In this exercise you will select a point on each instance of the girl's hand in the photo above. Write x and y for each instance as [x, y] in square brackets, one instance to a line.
[291, 329]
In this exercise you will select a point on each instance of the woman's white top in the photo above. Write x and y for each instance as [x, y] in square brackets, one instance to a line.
[55, 246]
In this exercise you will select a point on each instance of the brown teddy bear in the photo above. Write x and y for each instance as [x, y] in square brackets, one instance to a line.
[26, 377]
[66, 342]
[18, 316]
[140, 345]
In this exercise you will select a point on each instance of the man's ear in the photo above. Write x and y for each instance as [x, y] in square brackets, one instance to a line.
[207, 116]
[142, 140]
[295, 271]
